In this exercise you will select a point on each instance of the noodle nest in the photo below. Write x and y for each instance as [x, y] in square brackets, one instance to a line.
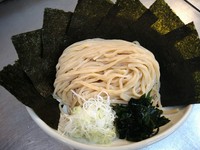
[120, 68]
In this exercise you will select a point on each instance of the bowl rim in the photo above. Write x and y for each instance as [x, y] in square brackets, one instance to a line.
[133, 145]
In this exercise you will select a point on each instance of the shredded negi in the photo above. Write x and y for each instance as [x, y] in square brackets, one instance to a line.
[138, 120]
[94, 121]
[97, 121]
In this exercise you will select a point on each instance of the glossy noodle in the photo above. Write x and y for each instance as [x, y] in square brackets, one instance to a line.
[120, 68]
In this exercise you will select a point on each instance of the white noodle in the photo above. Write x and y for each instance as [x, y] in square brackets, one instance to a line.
[120, 68]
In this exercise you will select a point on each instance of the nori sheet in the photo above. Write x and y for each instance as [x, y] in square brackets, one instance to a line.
[54, 38]
[29, 49]
[130, 10]
[87, 17]
[196, 77]
[194, 64]
[189, 47]
[179, 77]
[39, 50]
[121, 18]
[15, 80]
[178, 34]
[168, 20]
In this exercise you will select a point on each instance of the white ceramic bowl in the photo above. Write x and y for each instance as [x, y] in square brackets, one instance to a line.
[176, 120]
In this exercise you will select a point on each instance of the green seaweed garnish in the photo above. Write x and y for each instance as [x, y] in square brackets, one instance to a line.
[138, 120]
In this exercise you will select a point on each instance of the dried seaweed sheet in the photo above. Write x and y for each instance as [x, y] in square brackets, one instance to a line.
[194, 64]
[189, 47]
[39, 50]
[14, 79]
[87, 17]
[121, 18]
[29, 49]
[167, 19]
[54, 41]
[196, 76]
[54, 38]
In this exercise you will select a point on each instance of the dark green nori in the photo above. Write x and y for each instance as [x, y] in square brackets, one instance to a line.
[29, 49]
[121, 17]
[196, 77]
[87, 17]
[178, 34]
[54, 41]
[15, 80]
[179, 78]
[189, 46]
[39, 50]
[194, 64]
[130, 10]
[54, 38]
[138, 120]
[168, 20]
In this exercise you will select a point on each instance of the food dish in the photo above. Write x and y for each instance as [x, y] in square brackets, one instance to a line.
[171, 67]
[95, 77]
[176, 120]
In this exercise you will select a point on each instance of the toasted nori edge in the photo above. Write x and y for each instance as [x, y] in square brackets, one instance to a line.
[168, 20]
[86, 18]
[15, 80]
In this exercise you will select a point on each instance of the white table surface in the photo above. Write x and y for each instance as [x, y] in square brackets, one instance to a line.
[17, 130]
